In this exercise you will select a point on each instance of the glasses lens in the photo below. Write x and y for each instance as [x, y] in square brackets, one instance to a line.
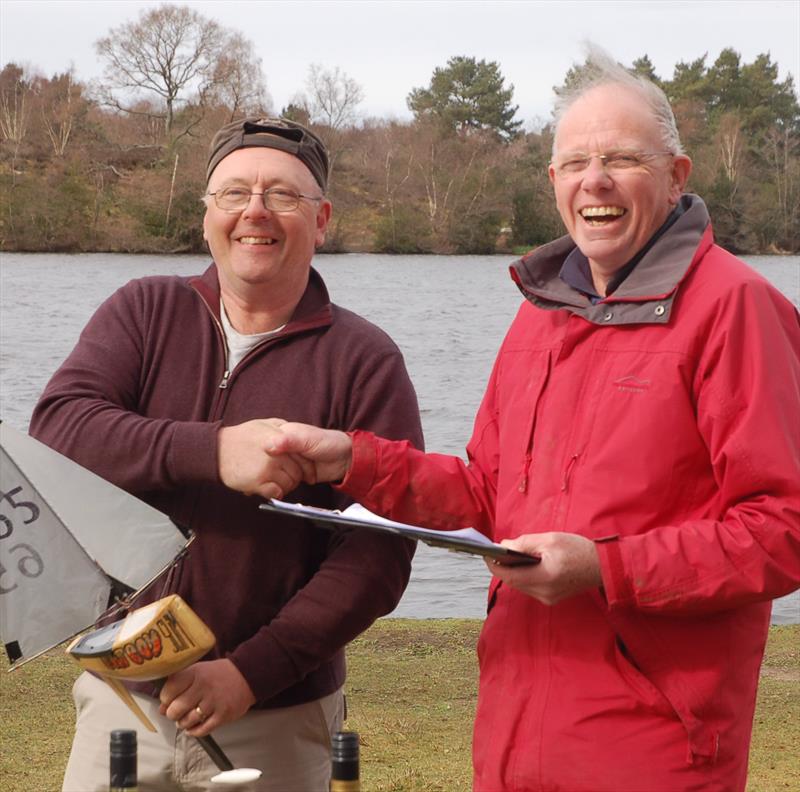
[281, 200]
[620, 161]
[575, 165]
[232, 199]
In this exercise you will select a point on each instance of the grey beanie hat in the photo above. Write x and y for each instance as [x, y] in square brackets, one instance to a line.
[277, 133]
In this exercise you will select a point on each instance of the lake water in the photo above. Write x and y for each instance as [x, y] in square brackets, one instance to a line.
[447, 313]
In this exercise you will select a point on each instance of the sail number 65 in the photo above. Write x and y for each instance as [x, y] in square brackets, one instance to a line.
[29, 563]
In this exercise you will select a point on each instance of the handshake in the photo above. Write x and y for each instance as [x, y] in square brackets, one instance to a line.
[270, 457]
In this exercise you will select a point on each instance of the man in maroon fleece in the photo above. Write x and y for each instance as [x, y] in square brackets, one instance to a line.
[164, 395]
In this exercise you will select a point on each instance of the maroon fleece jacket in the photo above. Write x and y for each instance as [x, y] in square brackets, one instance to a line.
[140, 400]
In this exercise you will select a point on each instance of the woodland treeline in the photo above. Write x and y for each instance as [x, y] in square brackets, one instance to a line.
[118, 165]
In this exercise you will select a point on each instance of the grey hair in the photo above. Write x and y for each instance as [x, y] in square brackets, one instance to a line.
[602, 69]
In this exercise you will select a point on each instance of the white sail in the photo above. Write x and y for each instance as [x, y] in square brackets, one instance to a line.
[63, 533]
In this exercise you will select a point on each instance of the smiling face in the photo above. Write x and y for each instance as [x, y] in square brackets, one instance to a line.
[609, 213]
[263, 257]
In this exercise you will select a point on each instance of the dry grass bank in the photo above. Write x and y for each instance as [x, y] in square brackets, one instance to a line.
[411, 693]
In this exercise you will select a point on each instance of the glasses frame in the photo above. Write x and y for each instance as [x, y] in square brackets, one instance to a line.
[264, 199]
[640, 156]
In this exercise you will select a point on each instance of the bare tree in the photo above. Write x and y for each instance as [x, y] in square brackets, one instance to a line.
[730, 148]
[15, 91]
[238, 79]
[329, 104]
[781, 149]
[333, 97]
[15, 96]
[60, 103]
[181, 57]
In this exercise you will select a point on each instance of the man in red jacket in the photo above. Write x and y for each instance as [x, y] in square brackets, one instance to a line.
[640, 434]
[164, 395]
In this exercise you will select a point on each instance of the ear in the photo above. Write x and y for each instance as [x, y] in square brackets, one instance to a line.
[551, 173]
[681, 169]
[323, 218]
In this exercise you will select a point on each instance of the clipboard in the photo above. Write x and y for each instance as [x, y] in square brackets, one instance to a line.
[466, 540]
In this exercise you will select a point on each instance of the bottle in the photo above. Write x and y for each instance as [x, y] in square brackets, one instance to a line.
[122, 761]
[344, 762]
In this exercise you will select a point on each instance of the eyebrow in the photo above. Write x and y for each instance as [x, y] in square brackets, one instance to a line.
[238, 181]
[605, 152]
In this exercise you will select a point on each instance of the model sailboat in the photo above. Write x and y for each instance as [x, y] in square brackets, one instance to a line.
[70, 544]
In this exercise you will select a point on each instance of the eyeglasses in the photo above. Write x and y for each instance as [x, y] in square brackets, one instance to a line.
[236, 199]
[615, 162]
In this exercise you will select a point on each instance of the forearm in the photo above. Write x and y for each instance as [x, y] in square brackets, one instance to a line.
[136, 453]
[433, 490]
[362, 579]
[99, 407]
[700, 566]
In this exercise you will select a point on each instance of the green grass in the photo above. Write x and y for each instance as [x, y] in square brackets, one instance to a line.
[411, 695]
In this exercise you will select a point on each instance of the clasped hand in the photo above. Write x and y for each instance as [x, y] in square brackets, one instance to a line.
[271, 457]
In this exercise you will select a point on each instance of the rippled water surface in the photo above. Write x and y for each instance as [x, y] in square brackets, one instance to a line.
[448, 314]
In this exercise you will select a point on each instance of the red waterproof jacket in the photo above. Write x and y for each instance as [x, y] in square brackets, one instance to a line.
[663, 423]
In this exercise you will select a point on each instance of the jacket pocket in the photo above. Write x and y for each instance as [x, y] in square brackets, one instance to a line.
[494, 585]
[645, 663]
[643, 689]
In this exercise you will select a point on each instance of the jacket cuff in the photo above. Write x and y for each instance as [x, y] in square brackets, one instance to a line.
[358, 481]
[193, 452]
[612, 569]
[265, 666]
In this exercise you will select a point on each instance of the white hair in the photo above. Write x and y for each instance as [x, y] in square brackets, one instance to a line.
[602, 69]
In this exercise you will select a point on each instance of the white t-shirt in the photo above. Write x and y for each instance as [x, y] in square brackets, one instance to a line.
[238, 343]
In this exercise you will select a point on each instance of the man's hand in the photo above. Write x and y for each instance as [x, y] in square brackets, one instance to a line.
[328, 452]
[569, 566]
[246, 465]
[205, 696]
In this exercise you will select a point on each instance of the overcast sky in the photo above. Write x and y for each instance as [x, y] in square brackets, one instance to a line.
[391, 47]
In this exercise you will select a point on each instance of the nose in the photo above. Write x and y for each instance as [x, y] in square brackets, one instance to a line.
[596, 177]
[255, 206]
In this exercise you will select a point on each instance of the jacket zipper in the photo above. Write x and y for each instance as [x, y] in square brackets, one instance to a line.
[526, 466]
[226, 372]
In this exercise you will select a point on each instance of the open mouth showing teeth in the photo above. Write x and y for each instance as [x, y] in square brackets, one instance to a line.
[600, 215]
[250, 240]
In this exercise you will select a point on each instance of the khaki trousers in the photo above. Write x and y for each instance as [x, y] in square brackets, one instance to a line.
[291, 746]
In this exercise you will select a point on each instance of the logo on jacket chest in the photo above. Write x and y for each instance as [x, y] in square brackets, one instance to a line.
[631, 384]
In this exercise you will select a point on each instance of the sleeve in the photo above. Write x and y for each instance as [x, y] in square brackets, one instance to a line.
[363, 575]
[432, 490]
[747, 390]
[95, 394]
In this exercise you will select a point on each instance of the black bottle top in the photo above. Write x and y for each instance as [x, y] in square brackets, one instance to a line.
[344, 756]
[122, 759]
